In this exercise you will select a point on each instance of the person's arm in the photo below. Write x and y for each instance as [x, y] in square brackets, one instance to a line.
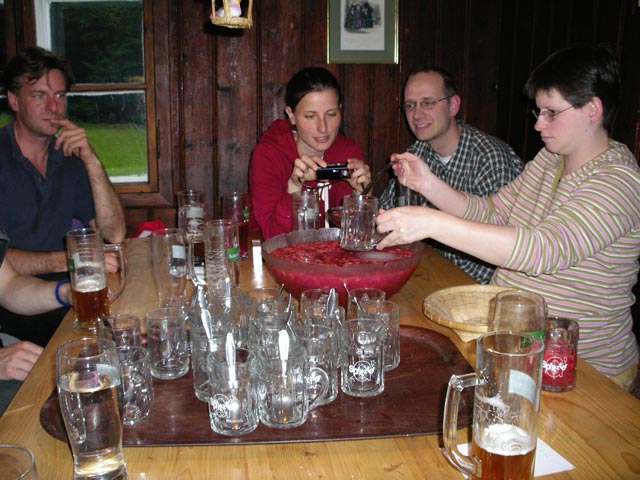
[413, 172]
[491, 243]
[17, 360]
[269, 175]
[27, 295]
[35, 263]
[109, 214]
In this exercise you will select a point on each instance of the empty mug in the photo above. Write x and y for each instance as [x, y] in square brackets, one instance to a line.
[362, 372]
[167, 342]
[137, 385]
[358, 225]
[304, 210]
[233, 400]
[88, 274]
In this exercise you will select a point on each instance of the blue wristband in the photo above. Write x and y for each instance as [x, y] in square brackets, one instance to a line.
[57, 291]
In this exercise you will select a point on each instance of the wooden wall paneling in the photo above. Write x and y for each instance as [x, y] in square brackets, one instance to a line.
[135, 216]
[314, 34]
[356, 85]
[518, 39]
[628, 123]
[418, 36]
[197, 81]
[451, 41]
[610, 21]
[280, 55]
[385, 117]
[480, 75]
[236, 114]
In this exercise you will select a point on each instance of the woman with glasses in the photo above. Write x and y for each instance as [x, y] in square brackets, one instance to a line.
[290, 151]
[568, 227]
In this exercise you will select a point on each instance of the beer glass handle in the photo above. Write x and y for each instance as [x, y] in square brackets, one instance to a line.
[323, 379]
[117, 248]
[457, 383]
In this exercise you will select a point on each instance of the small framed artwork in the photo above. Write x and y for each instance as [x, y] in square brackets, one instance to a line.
[362, 31]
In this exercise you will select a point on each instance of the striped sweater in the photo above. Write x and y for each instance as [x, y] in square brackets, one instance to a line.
[577, 244]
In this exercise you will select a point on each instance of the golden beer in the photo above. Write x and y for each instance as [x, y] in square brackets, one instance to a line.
[88, 305]
[507, 454]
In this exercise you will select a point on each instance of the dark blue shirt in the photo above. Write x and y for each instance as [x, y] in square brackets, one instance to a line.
[38, 211]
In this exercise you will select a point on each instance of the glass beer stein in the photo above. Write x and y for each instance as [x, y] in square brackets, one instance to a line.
[507, 385]
[89, 290]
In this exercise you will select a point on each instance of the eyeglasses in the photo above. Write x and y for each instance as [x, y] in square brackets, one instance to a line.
[548, 115]
[425, 104]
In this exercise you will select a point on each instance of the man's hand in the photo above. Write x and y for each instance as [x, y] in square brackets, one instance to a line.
[73, 140]
[17, 360]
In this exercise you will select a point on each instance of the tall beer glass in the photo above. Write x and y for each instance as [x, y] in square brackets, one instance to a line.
[507, 385]
[90, 395]
[88, 273]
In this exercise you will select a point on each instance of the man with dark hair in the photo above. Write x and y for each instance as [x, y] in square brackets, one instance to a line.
[51, 180]
[461, 155]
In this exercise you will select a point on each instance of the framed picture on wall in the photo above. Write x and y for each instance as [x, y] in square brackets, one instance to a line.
[362, 31]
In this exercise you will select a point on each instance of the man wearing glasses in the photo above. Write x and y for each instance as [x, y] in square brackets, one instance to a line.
[461, 155]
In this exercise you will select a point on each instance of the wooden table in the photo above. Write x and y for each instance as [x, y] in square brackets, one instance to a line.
[596, 426]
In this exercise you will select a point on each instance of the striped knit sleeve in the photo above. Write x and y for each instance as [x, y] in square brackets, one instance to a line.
[585, 219]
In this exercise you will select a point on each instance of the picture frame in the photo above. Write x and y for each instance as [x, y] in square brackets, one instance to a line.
[362, 31]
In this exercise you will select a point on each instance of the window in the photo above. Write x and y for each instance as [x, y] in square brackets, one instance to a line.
[108, 47]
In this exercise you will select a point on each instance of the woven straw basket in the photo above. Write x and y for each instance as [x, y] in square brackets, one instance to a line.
[464, 309]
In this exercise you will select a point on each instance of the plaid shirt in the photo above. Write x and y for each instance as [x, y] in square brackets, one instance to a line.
[480, 166]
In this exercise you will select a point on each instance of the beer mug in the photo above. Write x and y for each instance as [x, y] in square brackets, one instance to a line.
[507, 385]
[358, 225]
[88, 273]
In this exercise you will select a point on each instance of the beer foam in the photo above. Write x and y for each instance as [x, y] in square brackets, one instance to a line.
[506, 440]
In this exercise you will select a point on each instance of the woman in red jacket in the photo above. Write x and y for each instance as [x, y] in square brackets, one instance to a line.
[290, 151]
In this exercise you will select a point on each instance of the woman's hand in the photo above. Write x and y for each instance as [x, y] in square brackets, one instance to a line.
[403, 225]
[304, 170]
[360, 174]
[411, 170]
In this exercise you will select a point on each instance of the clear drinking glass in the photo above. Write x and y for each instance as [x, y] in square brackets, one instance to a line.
[520, 311]
[235, 206]
[90, 394]
[17, 463]
[169, 262]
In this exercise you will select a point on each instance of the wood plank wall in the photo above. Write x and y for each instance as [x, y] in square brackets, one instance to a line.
[228, 85]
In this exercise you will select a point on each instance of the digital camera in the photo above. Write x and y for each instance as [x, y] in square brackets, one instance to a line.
[334, 171]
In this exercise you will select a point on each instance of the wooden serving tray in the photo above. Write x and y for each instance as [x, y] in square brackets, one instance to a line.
[411, 404]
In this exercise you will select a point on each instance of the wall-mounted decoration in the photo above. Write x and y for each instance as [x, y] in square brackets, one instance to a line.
[362, 31]
[230, 14]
